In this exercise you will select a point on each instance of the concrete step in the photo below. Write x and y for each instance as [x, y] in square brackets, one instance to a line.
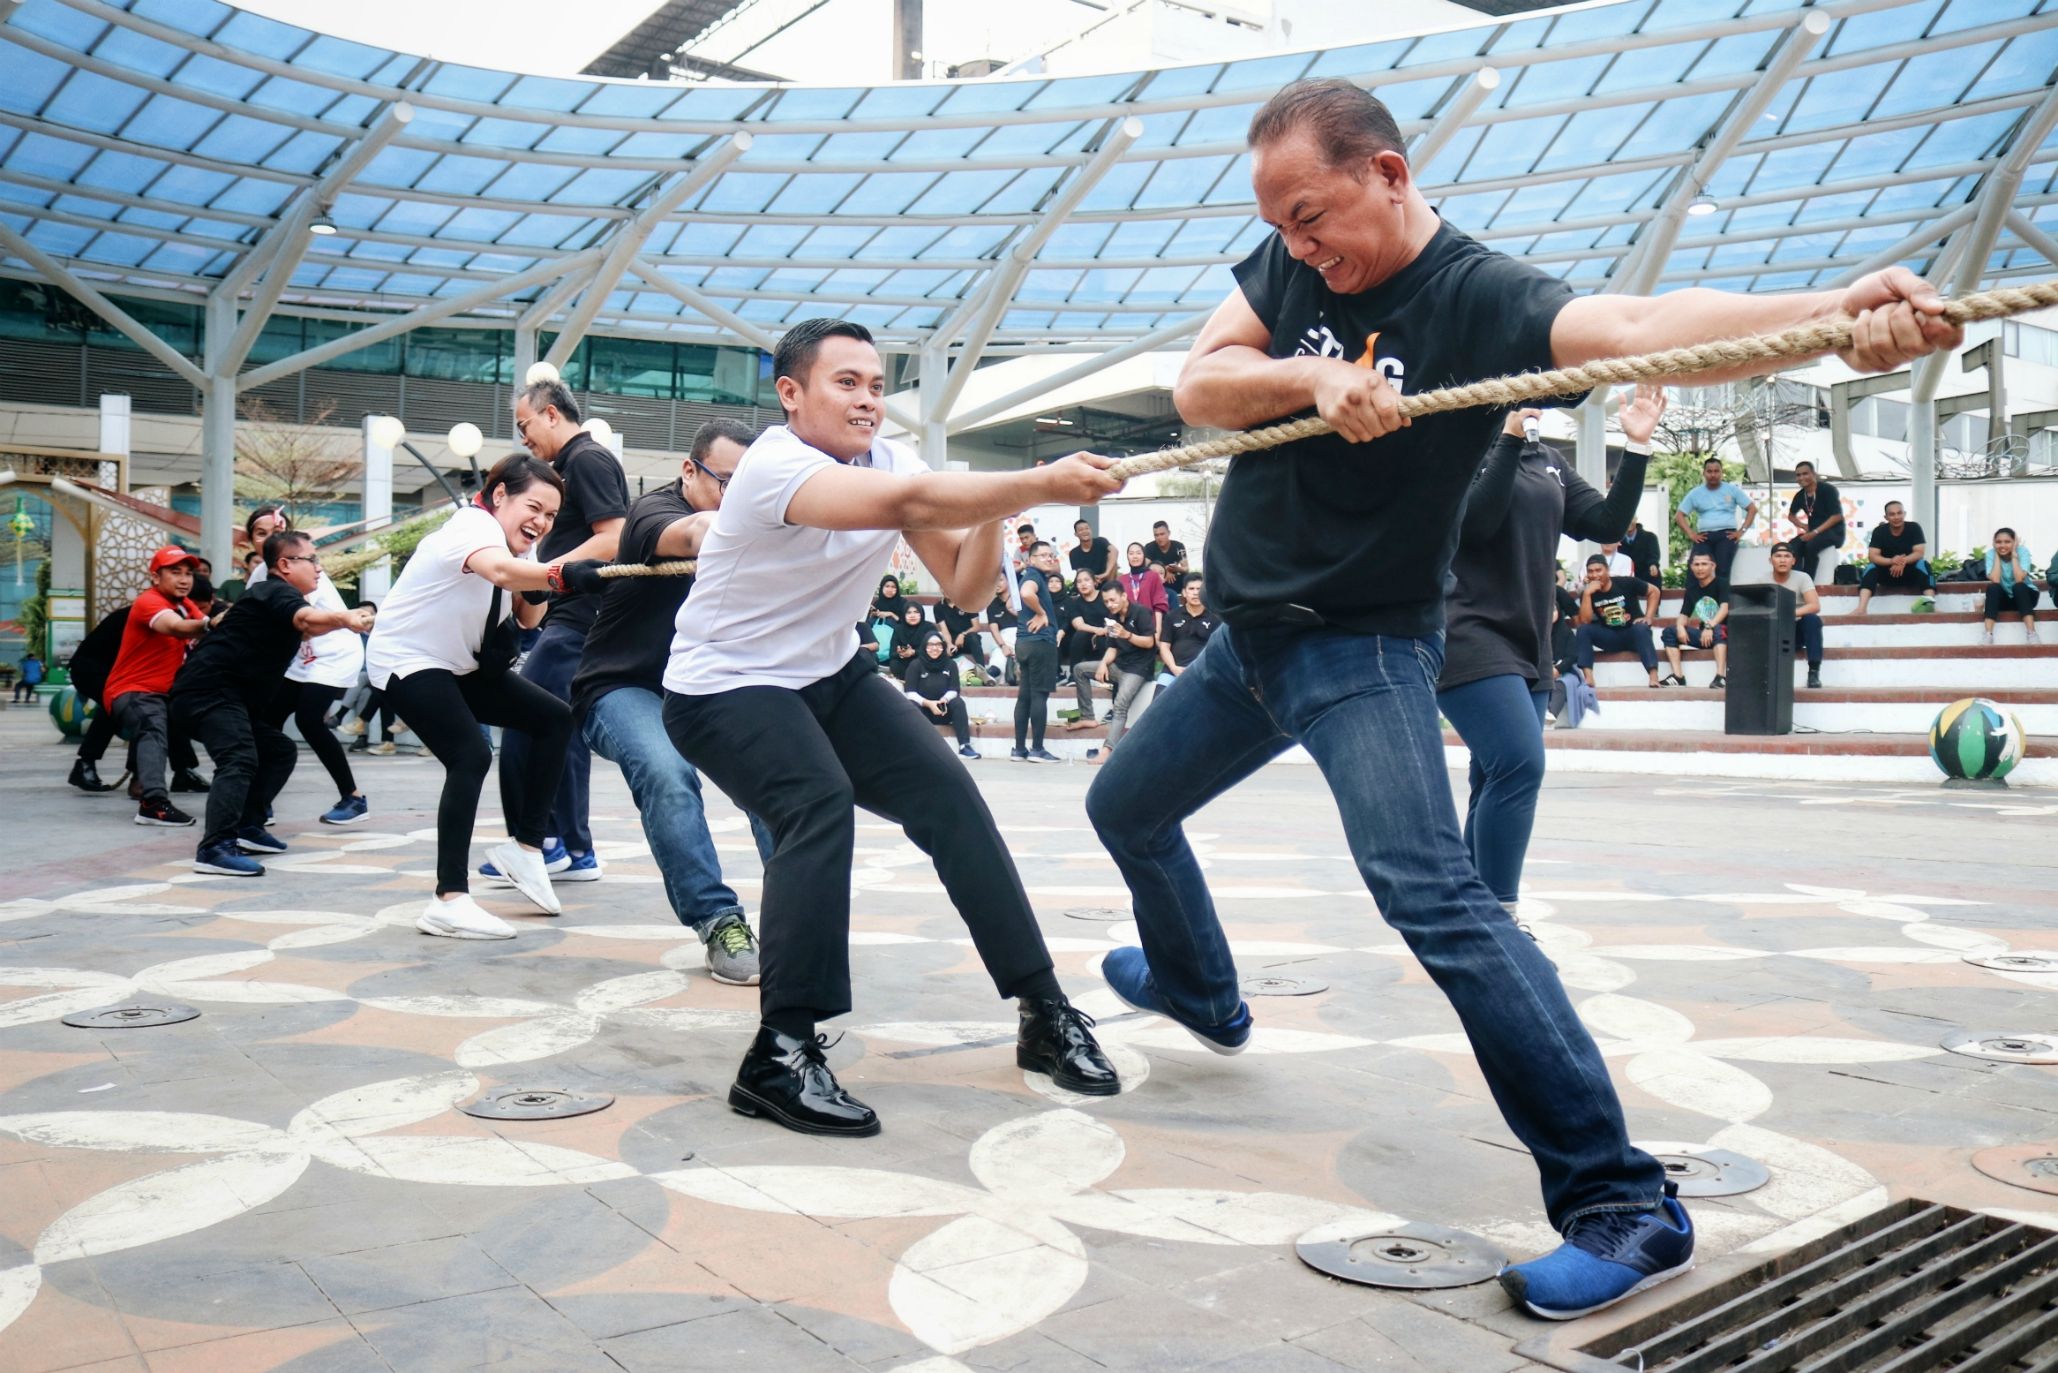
[1866, 710]
[1960, 670]
[1797, 757]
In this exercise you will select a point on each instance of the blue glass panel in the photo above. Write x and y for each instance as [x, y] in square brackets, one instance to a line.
[548, 93]
[93, 102]
[835, 240]
[412, 284]
[1412, 99]
[1510, 149]
[61, 240]
[1139, 238]
[657, 145]
[353, 211]
[1913, 195]
[139, 52]
[1162, 284]
[433, 123]
[1109, 284]
[899, 102]
[735, 278]
[989, 97]
[1523, 36]
[294, 97]
[2025, 64]
[1785, 168]
[954, 287]
[1734, 55]
[1025, 193]
[1616, 237]
[1074, 239]
[782, 147]
[792, 280]
[60, 24]
[1081, 90]
[1803, 247]
[1197, 237]
[303, 153]
[1616, 193]
[1543, 81]
[699, 239]
[1235, 186]
[1366, 59]
[765, 311]
[1220, 124]
[354, 110]
[859, 147]
[1118, 187]
[1733, 175]
[597, 186]
[1539, 203]
[529, 182]
[1565, 240]
[713, 102]
[1964, 140]
[86, 209]
[253, 197]
[188, 16]
[913, 282]
[929, 145]
[969, 240]
[882, 193]
[809, 103]
[1876, 153]
[1590, 137]
[505, 133]
[816, 194]
[416, 217]
[960, 193]
[1935, 80]
[468, 83]
[742, 192]
[1047, 286]
[1160, 130]
[1265, 74]
[121, 250]
[367, 251]
[855, 280]
[1676, 125]
[31, 77]
[215, 228]
[153, 219]
[1183, 181]
[1028, 321]
[629, 98]
[393, 166]
[1751, 218]
[340, 57]
[1605, 21]
[265, 37]
[1014, 141]
[1834, 98]
[568, 138]
[1966, 14]
[1902, 24]
[454, 175]
[482, 225]
[875, 316]
[1648, 67]
[183, 259]
[543, 231]
[1673, 14]
[1174, 82]
[1446, 47]
[903, 243]
[918, 319]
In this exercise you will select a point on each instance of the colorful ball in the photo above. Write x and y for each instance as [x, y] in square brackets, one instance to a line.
[71, 713]
[1976, 740]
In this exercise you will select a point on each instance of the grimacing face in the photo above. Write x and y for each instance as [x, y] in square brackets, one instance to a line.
[1348, 223]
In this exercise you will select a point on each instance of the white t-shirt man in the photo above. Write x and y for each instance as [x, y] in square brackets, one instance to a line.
[435, 615]
[773, 603]
[331, 659]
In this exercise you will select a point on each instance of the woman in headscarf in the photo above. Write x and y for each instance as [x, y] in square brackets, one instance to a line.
[914, 627]
[932, 684]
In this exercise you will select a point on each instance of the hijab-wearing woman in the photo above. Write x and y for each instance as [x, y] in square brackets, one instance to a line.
[914, 627]
[932, 684]
[889, 607]
[1144, 586]
[442, 653]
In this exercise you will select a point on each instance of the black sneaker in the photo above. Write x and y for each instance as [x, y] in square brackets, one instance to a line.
[788, 1079]
[1718, 682]
[1815, 677]
[185, 779]
[161, 813]
[1056, 1037]
[86, 777]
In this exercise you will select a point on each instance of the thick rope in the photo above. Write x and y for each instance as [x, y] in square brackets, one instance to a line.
[1502, 392]
[1803, 340]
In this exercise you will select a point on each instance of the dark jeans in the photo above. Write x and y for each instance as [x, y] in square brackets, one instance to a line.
[446, 711]
[1913, 581]
[308, 704]
[1364, 706]
[802, 760]
[1809, 627]
[551, 665]
[1038, 661]
[1630, 638]
[252, 760]
[1721, 544]
[100, 731]
[144, 719]
[1809, 552]
[2022, 599]
[1501, 721]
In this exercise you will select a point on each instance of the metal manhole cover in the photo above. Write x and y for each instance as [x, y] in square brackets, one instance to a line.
[1282, 986]
[1107, 913]
[2017, 961]
[1712, 1172]
[2004, 1046]
[1915, 1287]
[136, 1017]
[533, 1103]
[1412, 1256]
[2034, 1166]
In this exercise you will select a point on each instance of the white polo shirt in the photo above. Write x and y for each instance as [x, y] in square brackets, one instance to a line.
[435, 615]
[777, 604]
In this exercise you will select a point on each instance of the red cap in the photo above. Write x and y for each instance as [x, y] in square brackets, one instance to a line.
[171, 555]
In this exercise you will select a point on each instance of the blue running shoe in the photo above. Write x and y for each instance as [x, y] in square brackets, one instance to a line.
[222, 860]
[1129, 975]
[258, 839]
[556, 858]
[1606, 1256]
[347, 811]
[579, 867]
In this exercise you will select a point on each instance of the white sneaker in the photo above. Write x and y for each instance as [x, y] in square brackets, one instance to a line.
[461, 918]
[525, 871]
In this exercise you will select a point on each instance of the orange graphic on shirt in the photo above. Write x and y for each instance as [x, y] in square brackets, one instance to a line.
[1367, 361]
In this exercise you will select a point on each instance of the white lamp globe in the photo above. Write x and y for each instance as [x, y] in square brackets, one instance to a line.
[540, 372]
[600, 429]
[466, 440]
[387, 431]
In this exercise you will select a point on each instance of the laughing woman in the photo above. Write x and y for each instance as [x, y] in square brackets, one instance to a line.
[442, 653]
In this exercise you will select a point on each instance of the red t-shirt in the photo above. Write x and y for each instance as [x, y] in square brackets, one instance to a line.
[147, 661]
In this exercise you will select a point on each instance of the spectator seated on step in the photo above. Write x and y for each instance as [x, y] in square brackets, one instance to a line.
[1898, 558]
[1614, 614]
[2011, 584]
[1786, 572]
[931, 682]
[1702, 621]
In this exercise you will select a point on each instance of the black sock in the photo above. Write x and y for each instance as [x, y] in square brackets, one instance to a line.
[796, 1024]
[1040, 986]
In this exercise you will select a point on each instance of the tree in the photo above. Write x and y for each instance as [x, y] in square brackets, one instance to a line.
[294, 465]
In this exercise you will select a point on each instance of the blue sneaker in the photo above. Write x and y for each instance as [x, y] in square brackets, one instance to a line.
[579, 867]
[223, 861]
[258, 839]
[347, 811]
[556, 858]
[1129, 975]
[1606, 1256]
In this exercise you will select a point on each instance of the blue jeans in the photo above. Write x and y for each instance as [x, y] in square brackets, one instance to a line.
[551, 665]
[626, 727]
[1501, 721]
[1364, 706]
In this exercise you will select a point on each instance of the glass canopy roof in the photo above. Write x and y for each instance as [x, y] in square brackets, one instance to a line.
[173, 145]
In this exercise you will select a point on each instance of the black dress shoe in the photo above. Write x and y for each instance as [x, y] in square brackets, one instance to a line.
[1055, 1039]
[789, 1080]
[86, 777]
[185, 779]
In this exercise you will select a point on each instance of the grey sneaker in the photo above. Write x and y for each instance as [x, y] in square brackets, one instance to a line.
[731, 950]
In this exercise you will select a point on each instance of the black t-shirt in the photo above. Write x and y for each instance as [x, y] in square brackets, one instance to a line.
[1702, 601]
[595, 489]
[631, 636]
[953, 621]
[1811, 512]
[1138, 619]
[1621, 603]
[1092, 558]
[1895, 545]
[997, 613]
[248, 652]
[1363, 534]
[932, 680]
[1162, 558]
[1188, 633]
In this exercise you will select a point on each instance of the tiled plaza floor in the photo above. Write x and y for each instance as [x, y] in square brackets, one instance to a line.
[284, 1183]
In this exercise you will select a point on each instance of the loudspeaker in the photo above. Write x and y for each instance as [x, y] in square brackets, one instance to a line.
[1760, 698]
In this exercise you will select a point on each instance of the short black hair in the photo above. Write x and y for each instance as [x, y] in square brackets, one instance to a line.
[1161, 525]
[1804, 463]
[735, 431]
[1597, 560]
[544, 394]
[1087, 523]
[1038, 545]
[799, 345]
[1348, 123]
[1706, 461]
[1892, 504]
[1707, 553]
[278, 545]
[1024, 528]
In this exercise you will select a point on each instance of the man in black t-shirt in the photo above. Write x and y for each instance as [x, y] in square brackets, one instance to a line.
[1613, 615]
[1818, 513]
[1092, 553]
[618, 696]
[1129, 656]
[1898, 556]
[1702, 621]
[220, 692]
[589, 525]
[1327, 558]
[1187, 630]
[1166, 554]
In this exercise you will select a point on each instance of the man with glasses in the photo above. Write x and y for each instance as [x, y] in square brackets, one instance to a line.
[589, 525]
[618, 695]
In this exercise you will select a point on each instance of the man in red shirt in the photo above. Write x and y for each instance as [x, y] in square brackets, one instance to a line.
[161, 623]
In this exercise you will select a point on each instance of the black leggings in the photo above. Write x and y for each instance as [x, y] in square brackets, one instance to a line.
[308, 703]
[2022, 599]
[445, 712]
[375, 699]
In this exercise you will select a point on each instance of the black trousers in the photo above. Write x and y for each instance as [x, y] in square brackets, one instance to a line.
[1808, 552]
[375, 700]
[802, 761]
[953, 715]
[308, 704]
[445, 712]
[252, 760]
[1914, 580]
[1038, 661]
[2022, 599]
[144, 719]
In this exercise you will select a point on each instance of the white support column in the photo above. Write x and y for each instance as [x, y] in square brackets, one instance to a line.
[218, 443]
[1451, 118]
[376, 580]
[1592, 441]
[524, 353]
[2033, 236]
[1922, 463]
[114, 424]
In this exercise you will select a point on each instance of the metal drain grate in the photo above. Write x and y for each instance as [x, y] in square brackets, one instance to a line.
[1913, 1288]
